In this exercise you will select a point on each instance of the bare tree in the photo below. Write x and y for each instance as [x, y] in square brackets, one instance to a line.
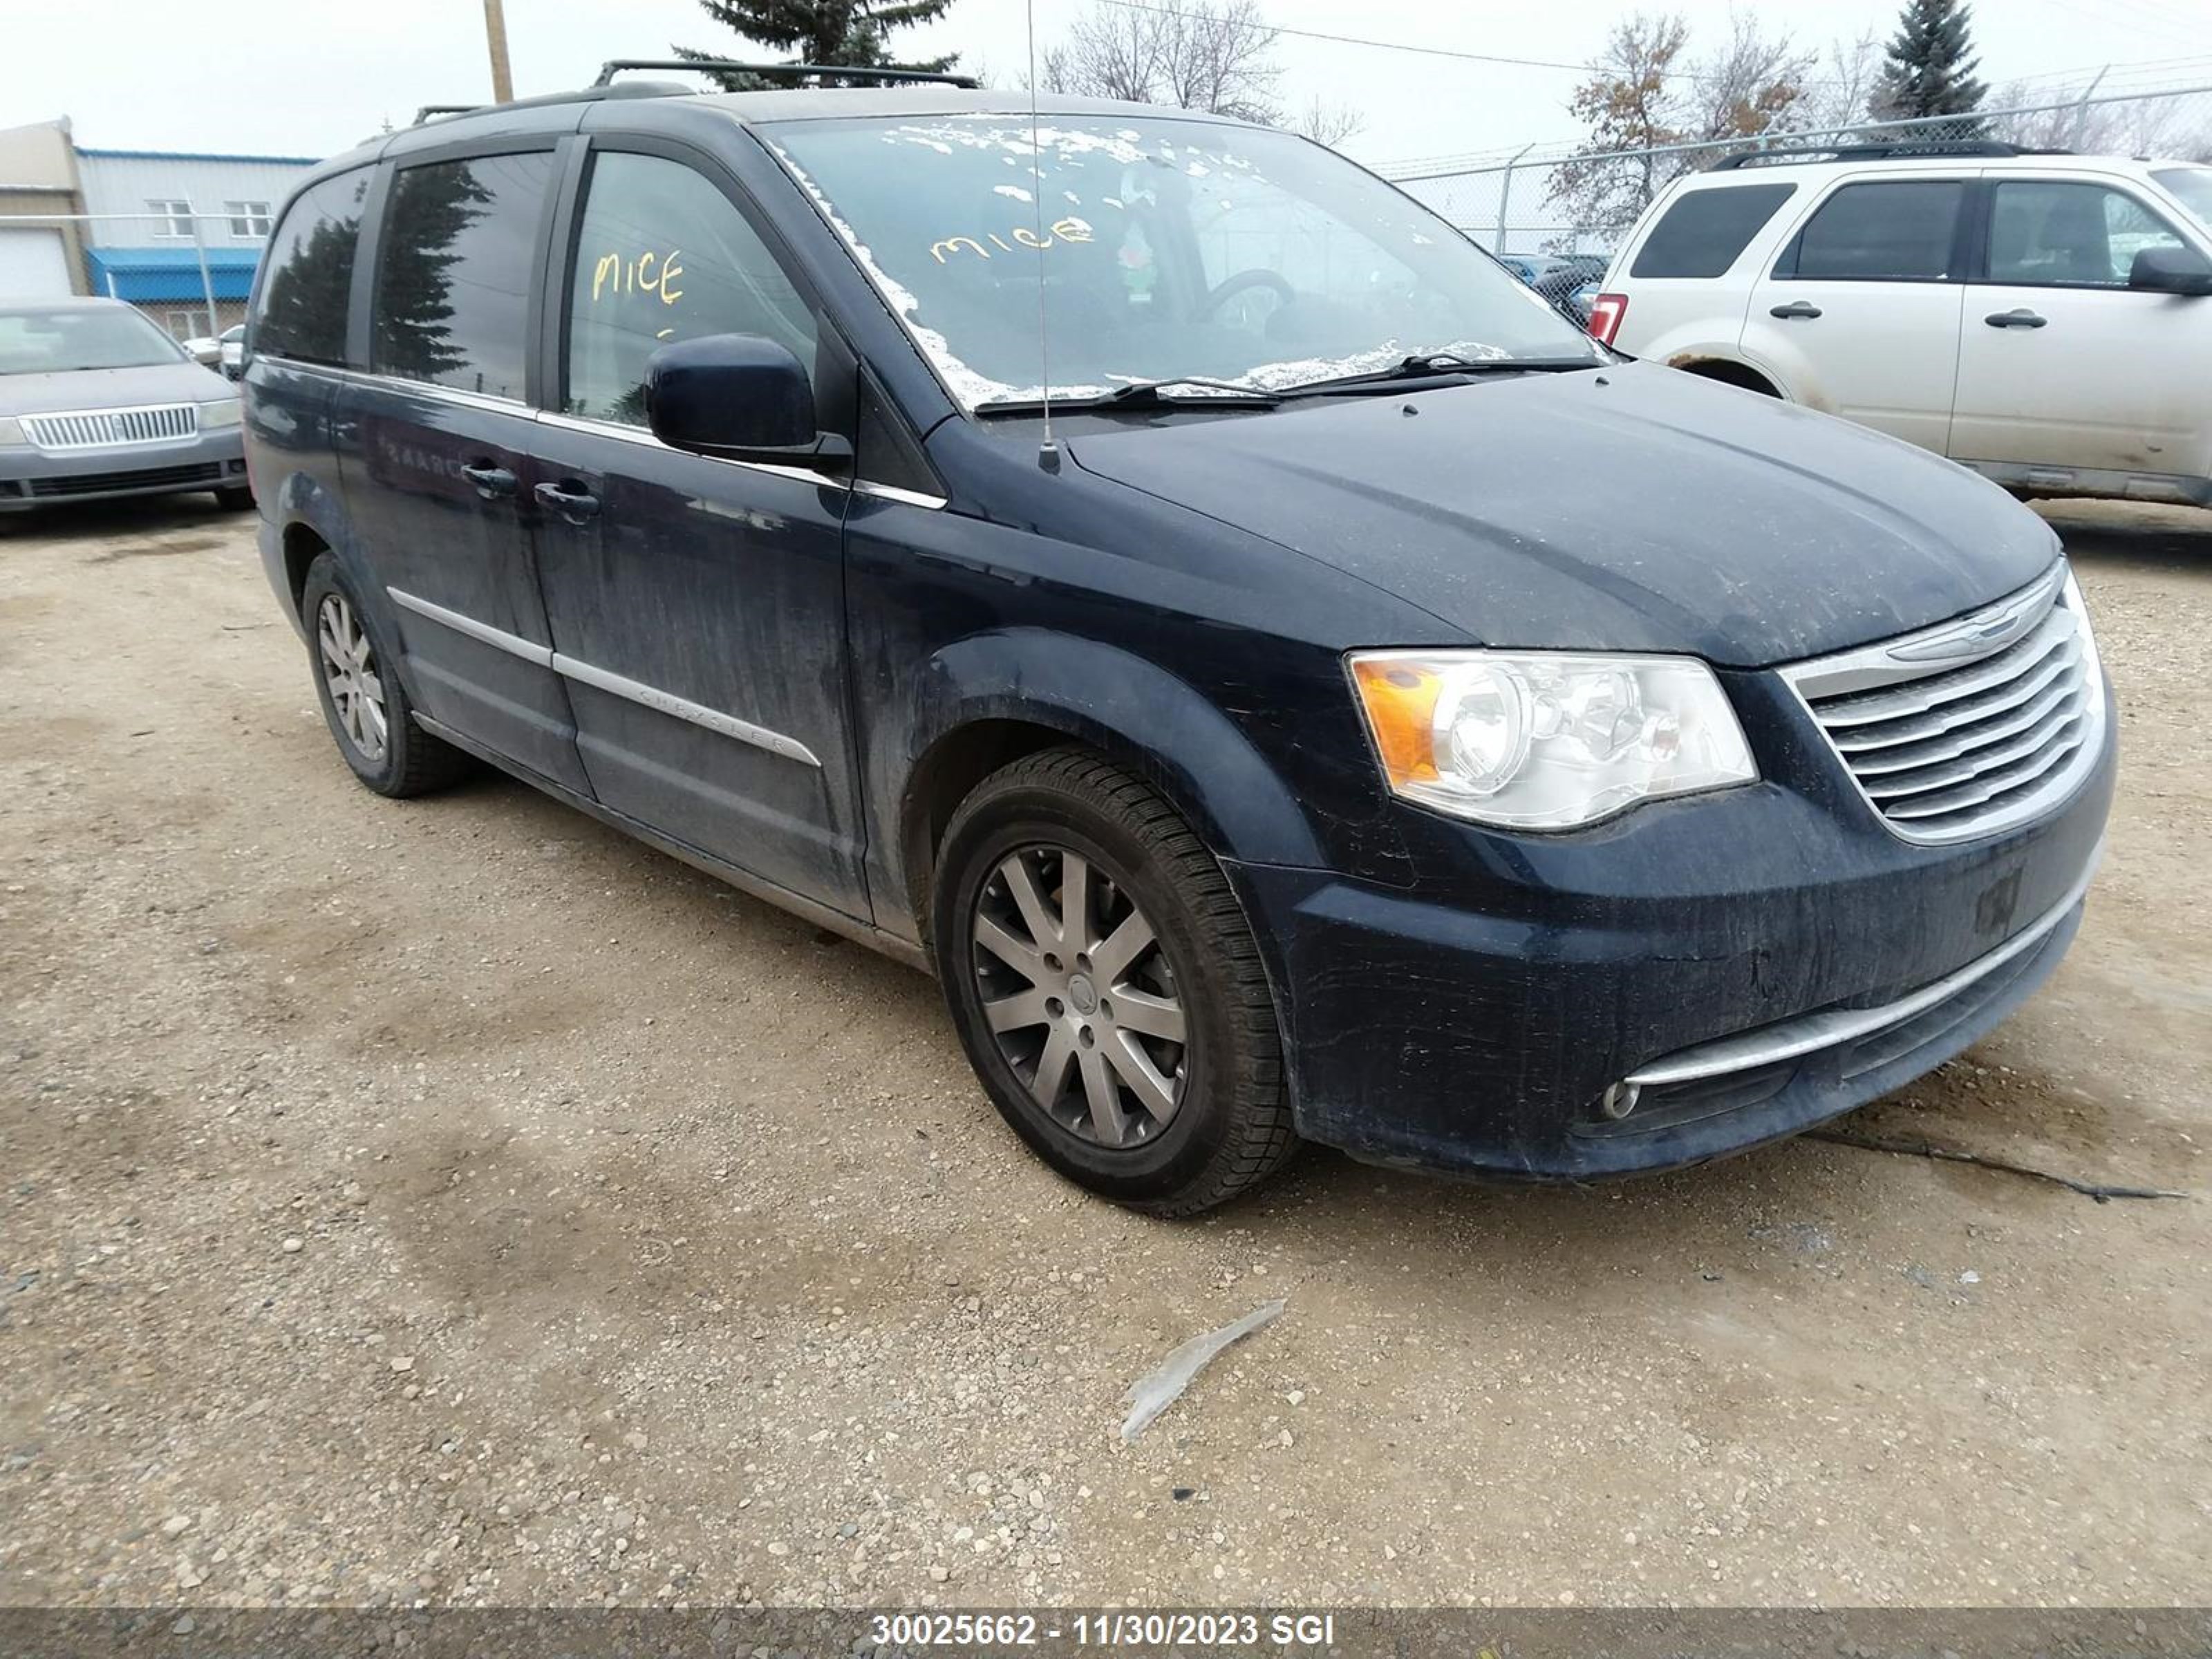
[1216, 55]
[1754, 84]
[1836, 98]
[1628, 104]
[1646, 96]
[2134, 126]
[1326, 122]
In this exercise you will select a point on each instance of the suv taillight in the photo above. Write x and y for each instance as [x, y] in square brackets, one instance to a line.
[1606, 313]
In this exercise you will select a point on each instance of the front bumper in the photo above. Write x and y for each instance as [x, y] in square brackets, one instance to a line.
[30, 477]
[1479, 1031]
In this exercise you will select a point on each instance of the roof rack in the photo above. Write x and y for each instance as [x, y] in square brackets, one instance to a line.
[824, 72]
[588, 95]
[1933, 147]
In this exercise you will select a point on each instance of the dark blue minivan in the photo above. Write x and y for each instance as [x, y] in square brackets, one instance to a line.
[1285, 681]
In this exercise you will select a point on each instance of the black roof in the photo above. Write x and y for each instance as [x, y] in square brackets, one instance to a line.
[546, 113]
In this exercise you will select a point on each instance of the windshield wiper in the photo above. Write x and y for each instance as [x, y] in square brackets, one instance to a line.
[1148, 394]
[1445, 364]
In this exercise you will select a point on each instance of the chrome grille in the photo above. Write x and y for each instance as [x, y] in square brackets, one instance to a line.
[1972, 726]
[112, 428]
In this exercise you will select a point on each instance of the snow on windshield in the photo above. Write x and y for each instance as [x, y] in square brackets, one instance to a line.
[1159, 248]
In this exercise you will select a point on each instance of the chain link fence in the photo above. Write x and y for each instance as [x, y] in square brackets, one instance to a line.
[191, 272]
[1557, 200]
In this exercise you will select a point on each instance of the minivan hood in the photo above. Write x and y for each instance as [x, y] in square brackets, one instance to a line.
[180, 382]
[1638, 509]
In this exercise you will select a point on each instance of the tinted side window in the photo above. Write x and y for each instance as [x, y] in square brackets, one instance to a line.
[662, 255]
[304, 301]
[452, 280]
[2049, 231]
[1704, 231]
[1899, 232]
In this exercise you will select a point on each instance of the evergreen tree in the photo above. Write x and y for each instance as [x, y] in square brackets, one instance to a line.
[846, 33]
[1929, 69]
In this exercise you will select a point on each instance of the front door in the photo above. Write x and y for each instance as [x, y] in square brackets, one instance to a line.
[2062, 365]
[436, 460]
[696, 606]
[1860, 315]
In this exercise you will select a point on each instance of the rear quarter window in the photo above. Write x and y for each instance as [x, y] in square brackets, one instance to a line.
[304, 301]
[1704, 231]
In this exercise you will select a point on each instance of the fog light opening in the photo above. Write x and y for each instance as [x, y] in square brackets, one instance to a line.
[1620, 1100]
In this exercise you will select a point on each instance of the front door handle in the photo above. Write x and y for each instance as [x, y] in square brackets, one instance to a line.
[2019, 316]
[569, 499]
[493, 482]
[1804, 308]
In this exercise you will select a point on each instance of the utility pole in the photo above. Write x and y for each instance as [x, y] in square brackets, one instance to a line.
[502, 79]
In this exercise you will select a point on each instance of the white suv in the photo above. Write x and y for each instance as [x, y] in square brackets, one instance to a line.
[2044, 318]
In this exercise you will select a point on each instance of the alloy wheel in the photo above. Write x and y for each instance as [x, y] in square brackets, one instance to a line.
[1079, 996]
[351, 674]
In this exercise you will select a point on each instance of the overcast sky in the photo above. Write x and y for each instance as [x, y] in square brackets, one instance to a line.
[310, 77]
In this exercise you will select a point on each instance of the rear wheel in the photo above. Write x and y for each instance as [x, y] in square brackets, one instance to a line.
[1106, 988]
[363, 703]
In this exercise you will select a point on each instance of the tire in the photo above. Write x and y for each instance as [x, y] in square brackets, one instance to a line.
[1227, 1123]
[409, 760]
[236, 498]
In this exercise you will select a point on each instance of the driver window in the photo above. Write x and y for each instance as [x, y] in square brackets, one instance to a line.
[2050, 232]
[662, 255]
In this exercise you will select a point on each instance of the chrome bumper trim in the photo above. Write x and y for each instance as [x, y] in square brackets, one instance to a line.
[1808, 1033]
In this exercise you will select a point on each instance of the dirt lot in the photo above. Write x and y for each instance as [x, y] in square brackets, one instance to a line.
[451, 1200]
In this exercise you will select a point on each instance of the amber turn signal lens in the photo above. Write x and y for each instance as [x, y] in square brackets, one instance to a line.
[1400, 700]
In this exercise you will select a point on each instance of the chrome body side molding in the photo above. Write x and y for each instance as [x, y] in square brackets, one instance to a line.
[649, 696]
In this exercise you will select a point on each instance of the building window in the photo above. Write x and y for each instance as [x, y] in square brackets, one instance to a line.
[248, 219]
[170, 218]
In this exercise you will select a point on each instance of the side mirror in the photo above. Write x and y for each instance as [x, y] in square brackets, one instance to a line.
[2172, 271]
[738, 396]
[206, 352]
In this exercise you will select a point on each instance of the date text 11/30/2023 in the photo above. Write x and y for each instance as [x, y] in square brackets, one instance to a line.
[1123, 1628]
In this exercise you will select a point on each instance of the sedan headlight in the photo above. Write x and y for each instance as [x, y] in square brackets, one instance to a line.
[228, 411]
[11, 429]
[1546, 740]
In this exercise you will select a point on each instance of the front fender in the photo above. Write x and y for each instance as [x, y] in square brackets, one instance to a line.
[1159, 726]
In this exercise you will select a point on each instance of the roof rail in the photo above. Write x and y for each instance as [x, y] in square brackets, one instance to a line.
[825, 71]
[1784, 155]
[585, 94]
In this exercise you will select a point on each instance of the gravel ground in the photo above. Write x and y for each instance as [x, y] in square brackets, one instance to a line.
[453, 1201]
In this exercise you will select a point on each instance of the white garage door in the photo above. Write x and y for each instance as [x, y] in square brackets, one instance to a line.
[33, 265]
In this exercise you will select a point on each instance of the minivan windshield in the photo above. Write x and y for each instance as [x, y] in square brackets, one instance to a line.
[91, 337]
[1168, 251]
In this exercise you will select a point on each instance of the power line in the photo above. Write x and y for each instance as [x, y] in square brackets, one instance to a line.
[1384, 46]
[1585, 68]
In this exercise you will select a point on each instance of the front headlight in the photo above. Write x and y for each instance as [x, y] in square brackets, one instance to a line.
[1546, 740]
[11, 429]
[226, 412]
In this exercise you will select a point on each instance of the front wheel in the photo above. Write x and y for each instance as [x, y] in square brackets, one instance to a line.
[1106, 988]
[235, 498]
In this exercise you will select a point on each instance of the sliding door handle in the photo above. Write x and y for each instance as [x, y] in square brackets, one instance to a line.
[570, 499]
